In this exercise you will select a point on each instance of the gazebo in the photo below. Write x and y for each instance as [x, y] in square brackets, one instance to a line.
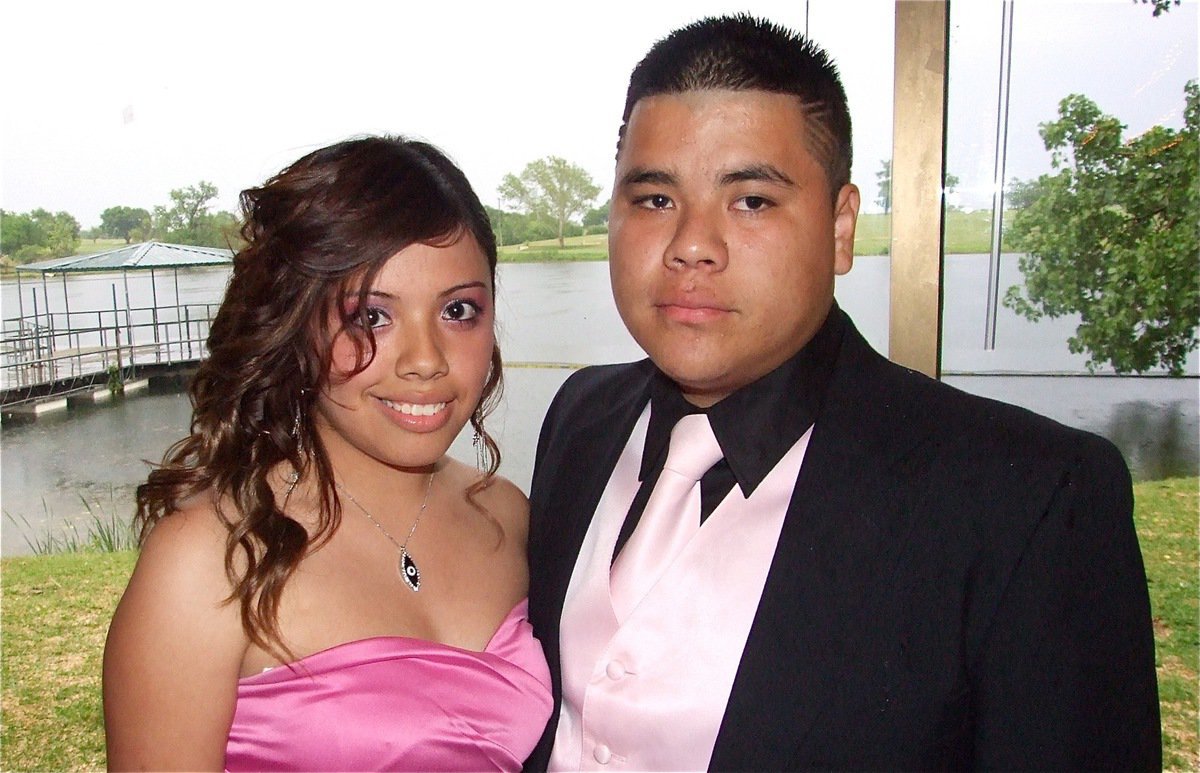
[146, 256]
[32, 343]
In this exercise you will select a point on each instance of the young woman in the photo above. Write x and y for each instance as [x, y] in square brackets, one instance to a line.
[319, 585]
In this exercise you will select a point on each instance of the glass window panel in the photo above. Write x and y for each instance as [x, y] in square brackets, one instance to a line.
[1057, 49]
[865, 55]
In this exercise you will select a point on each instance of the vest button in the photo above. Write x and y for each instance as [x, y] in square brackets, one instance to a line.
[602, 754]
[615, 670]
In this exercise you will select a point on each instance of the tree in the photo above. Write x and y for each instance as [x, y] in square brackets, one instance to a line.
[17, 231]
[597, 216]
[550, 187]
[1021, 193]
[60, 232]
[120, 222]
[496, 218]
[219, 229]
[518, 228]
[1160, 6]
[188, 205]
[38, 234]
[1112, 236]
[884, 178]
[188, 221]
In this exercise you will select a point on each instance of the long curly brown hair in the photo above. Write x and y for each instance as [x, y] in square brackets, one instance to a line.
[325, 224]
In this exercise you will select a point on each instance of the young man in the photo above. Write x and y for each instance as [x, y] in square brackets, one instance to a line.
[881, 572]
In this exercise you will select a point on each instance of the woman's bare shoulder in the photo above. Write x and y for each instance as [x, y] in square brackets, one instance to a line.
[182, 568]
[499, 498]
[176, 642]
[191, 540]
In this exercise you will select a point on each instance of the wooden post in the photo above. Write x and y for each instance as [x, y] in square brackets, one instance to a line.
[918, 166]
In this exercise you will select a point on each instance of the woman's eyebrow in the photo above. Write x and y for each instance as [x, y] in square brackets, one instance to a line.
[464, 286]
[448, 291]
[370, 294]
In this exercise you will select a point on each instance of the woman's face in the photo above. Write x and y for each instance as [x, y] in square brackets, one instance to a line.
[432, 315]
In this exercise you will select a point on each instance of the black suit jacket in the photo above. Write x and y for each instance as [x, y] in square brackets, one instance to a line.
[957, 583]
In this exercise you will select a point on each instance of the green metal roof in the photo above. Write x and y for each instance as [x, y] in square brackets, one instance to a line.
[135, 257]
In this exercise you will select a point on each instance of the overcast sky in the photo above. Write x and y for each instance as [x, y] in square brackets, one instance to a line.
[116, 103]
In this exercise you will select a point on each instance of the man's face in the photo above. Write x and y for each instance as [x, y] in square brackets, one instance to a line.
[724, 238]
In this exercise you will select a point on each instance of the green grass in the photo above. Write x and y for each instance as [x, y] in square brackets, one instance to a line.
[966, 232]
[872, 235]
[576, 248]
[55, 616]
[1167, 513]
[56, 611]
[103, 244]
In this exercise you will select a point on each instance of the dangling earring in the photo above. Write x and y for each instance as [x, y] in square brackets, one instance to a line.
[293, 477]
[477, 442]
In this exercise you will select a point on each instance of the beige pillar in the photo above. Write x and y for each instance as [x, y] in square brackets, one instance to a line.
[918, 161]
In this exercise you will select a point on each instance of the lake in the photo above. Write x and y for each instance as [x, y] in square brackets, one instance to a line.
[553, 318]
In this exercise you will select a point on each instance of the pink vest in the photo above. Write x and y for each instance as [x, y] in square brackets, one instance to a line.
[649, 692]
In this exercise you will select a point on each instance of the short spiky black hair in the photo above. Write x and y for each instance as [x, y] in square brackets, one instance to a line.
[742, 53]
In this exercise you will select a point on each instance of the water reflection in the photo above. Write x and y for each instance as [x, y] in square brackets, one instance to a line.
[57, 467]
[1157, 443]
[1155, 422]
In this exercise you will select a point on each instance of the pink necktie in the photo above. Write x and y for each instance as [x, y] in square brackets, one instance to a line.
[672, 513]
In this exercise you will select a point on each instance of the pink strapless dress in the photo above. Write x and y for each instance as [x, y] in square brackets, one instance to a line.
[394, 703]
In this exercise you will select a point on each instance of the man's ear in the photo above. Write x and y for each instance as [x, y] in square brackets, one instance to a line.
[845, 218]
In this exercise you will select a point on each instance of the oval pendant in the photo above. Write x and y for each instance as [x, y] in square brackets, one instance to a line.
[409, 571]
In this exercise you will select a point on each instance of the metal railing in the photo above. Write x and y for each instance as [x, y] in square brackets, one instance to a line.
[51, 347]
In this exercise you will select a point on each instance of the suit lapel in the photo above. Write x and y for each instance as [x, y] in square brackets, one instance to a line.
[837, 543]
[580, 446]
[583, 455]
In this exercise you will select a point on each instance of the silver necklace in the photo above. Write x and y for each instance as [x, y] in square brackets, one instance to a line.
[406, 566]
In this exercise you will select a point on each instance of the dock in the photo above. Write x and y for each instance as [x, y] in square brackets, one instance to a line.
[51, 359]
[61, 359]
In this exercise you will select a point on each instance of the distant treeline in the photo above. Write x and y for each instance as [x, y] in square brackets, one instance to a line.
[518, 228]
